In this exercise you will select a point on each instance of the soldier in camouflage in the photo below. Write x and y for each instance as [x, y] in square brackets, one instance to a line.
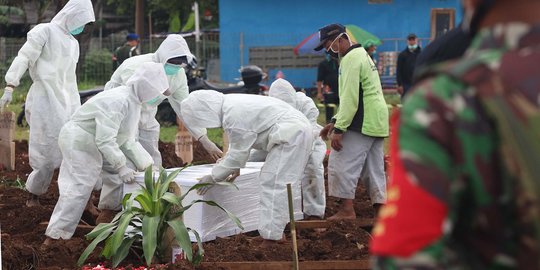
[466, 154]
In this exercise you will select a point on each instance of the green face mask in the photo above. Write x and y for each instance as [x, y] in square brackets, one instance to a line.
[171, 69]
[77, 31]
[155, 101]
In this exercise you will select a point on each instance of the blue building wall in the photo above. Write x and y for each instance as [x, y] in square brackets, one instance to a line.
[288, 22]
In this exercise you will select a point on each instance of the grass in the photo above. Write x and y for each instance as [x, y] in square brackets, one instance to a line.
[167, 134]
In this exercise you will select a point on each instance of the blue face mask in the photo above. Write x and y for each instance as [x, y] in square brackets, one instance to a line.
[77, 31]
[171, 69]
[155, 101]
[413, 47]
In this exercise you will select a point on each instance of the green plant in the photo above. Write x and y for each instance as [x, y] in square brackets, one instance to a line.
[17, 183]
[97, 67]
[144, 227]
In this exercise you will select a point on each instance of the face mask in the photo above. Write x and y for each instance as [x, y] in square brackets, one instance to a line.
[413, 47]
[155, 101]
[332, 55]
[172, 69]
[77, 31]
[332, 44]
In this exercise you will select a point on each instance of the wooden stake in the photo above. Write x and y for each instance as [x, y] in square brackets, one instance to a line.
[293, 227]
[225, 142]
[184, 143]
[7, 146]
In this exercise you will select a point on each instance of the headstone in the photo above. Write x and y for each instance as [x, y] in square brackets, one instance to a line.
[183, 143]
[7, 146]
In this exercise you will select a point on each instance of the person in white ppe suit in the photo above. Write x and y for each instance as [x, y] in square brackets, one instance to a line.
[174, 54]
[94, 136]
[257, 122]
[50, 54]
[313, 190]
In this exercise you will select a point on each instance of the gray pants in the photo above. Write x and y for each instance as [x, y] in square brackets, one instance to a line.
[345, 167]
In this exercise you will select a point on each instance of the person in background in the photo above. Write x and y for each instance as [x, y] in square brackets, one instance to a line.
[405, 65]
[465, 189]
[372, 51]
[129, 49]
[50, 55]
[358, 129]
[327, 84]
[451, 45]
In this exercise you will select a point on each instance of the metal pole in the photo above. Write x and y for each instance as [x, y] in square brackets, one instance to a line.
[293, 227]
[139, 18]
[100, 28]
[197, 30]
[241, 49]
[150, 32]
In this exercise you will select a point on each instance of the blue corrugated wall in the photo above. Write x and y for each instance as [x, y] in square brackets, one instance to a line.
[287, 22]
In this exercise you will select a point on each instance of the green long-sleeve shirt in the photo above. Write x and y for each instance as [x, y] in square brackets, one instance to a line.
[362, 105]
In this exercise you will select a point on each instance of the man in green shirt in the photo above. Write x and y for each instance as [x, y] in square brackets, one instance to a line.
[358, 129]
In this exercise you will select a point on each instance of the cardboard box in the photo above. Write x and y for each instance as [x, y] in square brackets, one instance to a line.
[211, 222]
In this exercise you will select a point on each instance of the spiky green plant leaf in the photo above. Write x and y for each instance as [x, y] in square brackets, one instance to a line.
[182, 237]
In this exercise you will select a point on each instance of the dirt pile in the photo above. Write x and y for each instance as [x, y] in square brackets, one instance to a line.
[22, 234]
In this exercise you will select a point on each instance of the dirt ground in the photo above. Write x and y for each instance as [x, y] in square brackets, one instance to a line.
[22, 234]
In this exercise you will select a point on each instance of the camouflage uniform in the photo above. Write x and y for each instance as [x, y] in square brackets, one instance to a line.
[466, 174]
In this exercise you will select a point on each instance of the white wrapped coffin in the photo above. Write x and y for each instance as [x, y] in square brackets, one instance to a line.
[210, 221]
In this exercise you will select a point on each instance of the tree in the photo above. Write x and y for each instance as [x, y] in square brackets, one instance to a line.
[173, 10]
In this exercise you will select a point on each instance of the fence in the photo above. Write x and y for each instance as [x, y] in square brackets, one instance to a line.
[96, 67]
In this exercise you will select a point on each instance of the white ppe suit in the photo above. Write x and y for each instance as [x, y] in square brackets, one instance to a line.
[94, 137]
[173, 46]
[262, 123]
[50, 54]
[313, 190]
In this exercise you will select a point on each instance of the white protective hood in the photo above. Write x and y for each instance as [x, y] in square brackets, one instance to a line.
[75, 14]
[203, 109]
[173, 46]
[283, 90]
[148, 81]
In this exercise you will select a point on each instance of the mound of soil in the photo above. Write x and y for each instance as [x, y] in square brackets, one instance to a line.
[22, 234]
[22, 165]
[343, 240]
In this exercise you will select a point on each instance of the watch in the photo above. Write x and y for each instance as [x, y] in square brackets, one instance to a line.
[338, 131]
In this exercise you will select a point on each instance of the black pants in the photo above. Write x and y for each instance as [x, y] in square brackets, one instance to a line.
[330, 99]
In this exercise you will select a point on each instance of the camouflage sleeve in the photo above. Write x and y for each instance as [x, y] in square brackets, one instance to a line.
[426, 145]
[427, 140]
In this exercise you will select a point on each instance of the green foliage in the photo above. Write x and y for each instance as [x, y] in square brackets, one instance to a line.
[143, 227]
[97, 67]
[17, 183]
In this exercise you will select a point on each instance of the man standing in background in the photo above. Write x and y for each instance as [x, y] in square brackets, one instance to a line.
[129, 49]
[405, 65]
[327, 84]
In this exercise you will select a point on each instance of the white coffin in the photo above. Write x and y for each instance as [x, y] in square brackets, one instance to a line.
[210, 222]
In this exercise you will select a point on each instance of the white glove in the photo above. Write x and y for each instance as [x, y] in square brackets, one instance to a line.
[211, 148]
[126, 174]
[6, 98]
[207, 179]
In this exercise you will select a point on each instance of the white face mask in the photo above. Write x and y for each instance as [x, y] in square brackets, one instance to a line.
[332, 44]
